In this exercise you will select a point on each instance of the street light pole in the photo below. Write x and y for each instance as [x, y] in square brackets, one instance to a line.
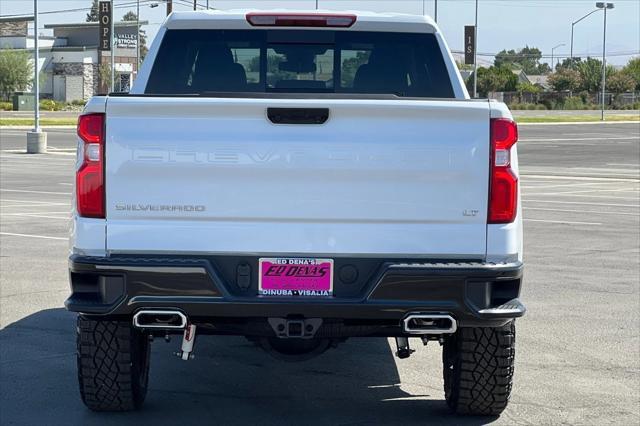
[36, 74]
[475, 55]
[36, 139]
[113, 50]
[137, 37]
[552, 50]
[435, 11]
[604, 6]
[604, 56]
[573, 24]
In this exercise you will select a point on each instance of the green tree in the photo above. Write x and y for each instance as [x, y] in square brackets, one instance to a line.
[565, 79]
[16, 71]
[104, 73]
[494, 79]
[632, 69]
[591, 74]
[132, 17]
[92, 16]
[528, 88]
[463, 67]
[569, 63]
[526, 59]
[620, 82]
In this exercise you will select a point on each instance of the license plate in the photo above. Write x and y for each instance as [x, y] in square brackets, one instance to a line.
[296, 277]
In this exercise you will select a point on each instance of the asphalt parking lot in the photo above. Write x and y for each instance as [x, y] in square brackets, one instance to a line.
[578, 348]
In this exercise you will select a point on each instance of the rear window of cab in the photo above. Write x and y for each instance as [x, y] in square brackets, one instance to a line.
[200, 62]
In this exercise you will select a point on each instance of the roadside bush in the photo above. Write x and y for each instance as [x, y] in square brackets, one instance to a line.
[79, 102]
[6, 106]
[51, 105]
[531, 107]
[548, 104]
[541, 107]
[574, 102]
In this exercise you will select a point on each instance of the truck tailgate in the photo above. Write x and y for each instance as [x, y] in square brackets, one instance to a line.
[215, 175]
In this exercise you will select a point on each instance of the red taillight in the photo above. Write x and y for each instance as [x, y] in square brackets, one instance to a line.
[300, 20]
[503, 186]
[90, 174]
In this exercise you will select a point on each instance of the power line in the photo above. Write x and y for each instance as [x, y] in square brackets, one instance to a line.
[81, 9]
[557, 55]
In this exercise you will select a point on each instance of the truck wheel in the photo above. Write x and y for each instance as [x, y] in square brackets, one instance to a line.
[113, 364]
[478, 369]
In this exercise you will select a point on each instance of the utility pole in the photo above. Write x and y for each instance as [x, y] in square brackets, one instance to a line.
[475, 56]
[36, 73]
[195, 2]
[573, 24]
[36, 139]
[552, 50]
[113, 50]
[169, 6]
[137, 37]
[604, 55]
[435, 11]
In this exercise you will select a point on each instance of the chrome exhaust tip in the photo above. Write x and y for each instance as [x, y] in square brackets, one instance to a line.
[429, 324]
[163, 319]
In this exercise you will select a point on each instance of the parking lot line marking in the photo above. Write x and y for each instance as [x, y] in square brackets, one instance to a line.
[34, 158]
[33, 203]
[35, 215]
[569, 177]
[35, 192]
[617, 138]
[609, 197]
[582, 202]
[581, 211]
[68, 213]
[46, 237]
[567, 184]
[9, 206]
[584, 192]
[563, 222]
[65, 184]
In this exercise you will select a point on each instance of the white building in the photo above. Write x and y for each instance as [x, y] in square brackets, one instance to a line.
[70, 60]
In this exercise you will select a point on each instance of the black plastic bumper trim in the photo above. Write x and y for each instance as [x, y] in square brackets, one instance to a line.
[474, 293]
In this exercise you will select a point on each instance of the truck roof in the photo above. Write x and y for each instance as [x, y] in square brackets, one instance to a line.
[237, 19]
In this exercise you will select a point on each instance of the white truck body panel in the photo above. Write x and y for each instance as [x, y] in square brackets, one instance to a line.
[380, 177]
[388, 178]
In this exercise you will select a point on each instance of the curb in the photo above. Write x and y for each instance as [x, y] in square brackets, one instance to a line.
[45, 128]
[565, 123]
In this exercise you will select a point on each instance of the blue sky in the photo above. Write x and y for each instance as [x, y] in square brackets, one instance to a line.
[503, 24]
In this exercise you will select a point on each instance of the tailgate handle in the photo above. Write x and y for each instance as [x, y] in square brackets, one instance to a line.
[298, 115]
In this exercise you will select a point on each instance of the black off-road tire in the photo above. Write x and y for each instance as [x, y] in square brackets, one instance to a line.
[478, 369]
[113, 364]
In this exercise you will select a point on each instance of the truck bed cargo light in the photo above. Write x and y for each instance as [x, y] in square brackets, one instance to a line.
[301, 20]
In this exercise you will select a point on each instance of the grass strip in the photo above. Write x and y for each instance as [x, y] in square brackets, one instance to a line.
[576, 118]
[69, 121]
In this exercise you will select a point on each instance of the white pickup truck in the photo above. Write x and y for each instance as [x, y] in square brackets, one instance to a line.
[297, 178]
